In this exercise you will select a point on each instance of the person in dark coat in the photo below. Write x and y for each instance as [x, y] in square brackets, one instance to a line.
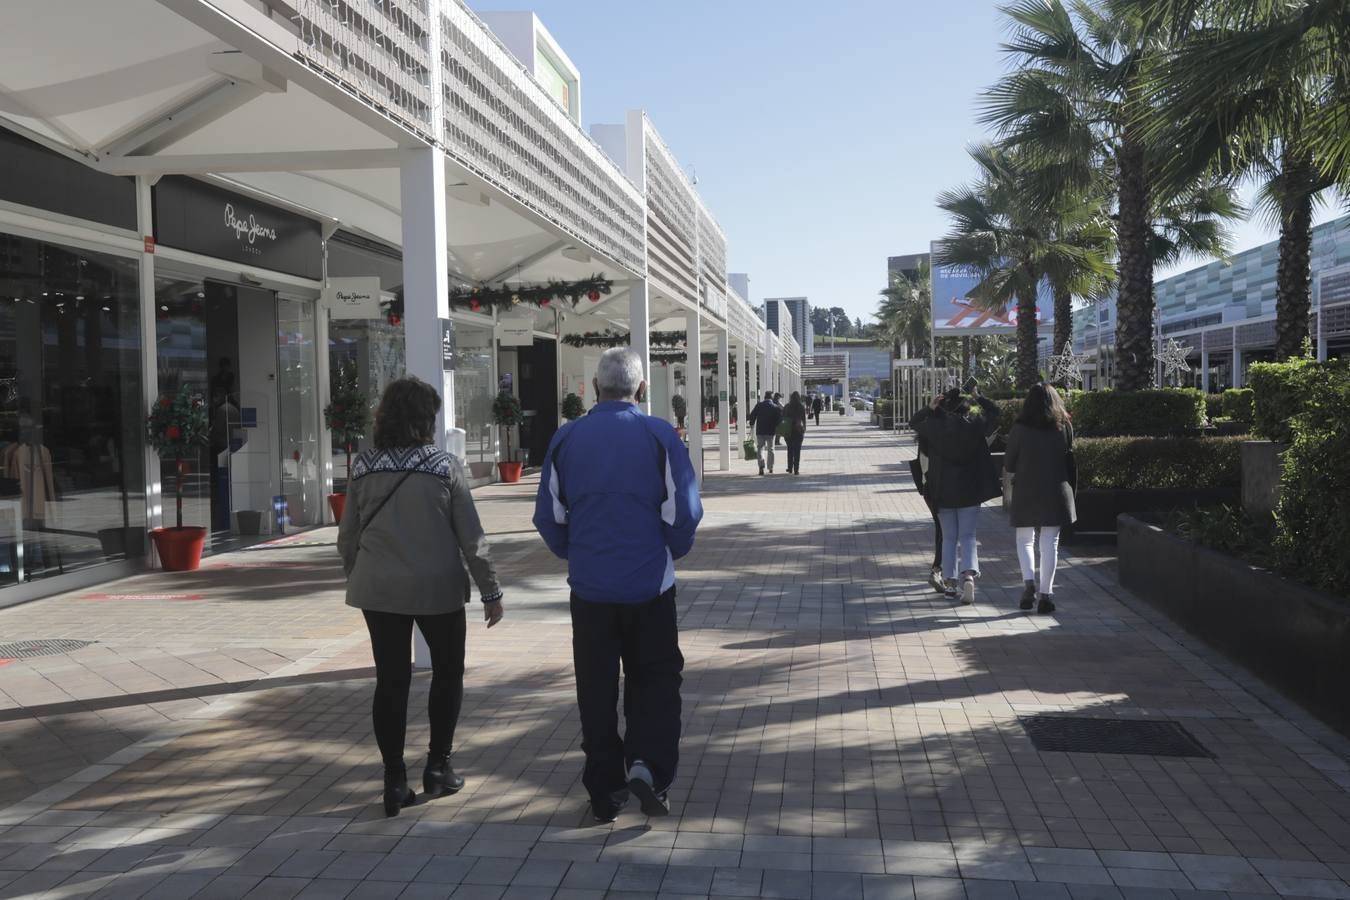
[795, 414]
[961, 476]
[918, 469]
[1042, 491]
[817, 404]
[764, 418]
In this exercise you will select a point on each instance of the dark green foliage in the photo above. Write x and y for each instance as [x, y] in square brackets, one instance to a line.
[1238, 404]
[573, 407]
[1213, 407]
[1141, 463]
[1160, 411]
[347, 414]
[1228, 530]
[177, 426]
[1282, 389]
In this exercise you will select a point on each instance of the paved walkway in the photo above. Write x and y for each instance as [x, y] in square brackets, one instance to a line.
[849, 734]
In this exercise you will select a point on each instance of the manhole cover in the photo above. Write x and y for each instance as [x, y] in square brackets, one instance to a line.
[1065, 734]
[40, 647]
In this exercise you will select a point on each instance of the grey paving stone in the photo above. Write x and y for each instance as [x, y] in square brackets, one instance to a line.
[1061, 856]
[922, 865]
[1095, 892]
[1309, 887]
[735, 882]
[578, 894]
[227, 887]
[1072, 874]
[706, 858]
[329, 889]
[178, 885]
[1293, 868]
[775, 861]
[277, 889]
[848, 862]
[490, 870]
[980, 889]
[786, 885]
[1034, 891]
[479, 892]
[836, 886]
[890, 887]
[637, 877]
[445, 870]
[590, 875]
[306, 863]
[939, 888]
[351, 864]
[261, 861]
[687, 879]
[1136, 859]
[1237, 882]
[541, 873]
[998, 870]
[1150, 878]
[919, 849]
[776, 843]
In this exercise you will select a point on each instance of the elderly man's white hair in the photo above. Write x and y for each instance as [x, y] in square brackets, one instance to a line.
[619, 374]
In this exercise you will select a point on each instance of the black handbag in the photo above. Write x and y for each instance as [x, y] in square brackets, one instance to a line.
[1071, 466]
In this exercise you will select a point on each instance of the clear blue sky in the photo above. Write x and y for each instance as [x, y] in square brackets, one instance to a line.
[820, 133]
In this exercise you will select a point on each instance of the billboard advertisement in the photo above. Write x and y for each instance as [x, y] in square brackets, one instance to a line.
[954, 314]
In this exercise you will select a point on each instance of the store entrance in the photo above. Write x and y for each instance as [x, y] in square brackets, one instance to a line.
[538, 367]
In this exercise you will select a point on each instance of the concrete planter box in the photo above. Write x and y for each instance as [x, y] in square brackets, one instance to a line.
[1098, 509]
[1295, 636]
[1262, 472]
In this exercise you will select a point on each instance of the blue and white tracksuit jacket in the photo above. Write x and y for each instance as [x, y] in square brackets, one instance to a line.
[618, 499]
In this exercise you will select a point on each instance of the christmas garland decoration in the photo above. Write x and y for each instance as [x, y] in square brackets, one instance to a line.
[621, 339]
[476, 298]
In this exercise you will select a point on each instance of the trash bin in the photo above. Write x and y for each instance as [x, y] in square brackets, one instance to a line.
[250, 522]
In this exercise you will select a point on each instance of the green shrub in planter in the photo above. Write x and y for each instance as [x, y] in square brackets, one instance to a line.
[1142, 463]
[1239, 405]
[1313, 518]
[1281, 390]
[1160, 411]
[884, 408]
[1213, 407]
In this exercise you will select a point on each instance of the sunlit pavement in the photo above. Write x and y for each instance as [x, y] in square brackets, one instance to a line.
[848, 733]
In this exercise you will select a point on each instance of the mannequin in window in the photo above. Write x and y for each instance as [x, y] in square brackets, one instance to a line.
[30, 463]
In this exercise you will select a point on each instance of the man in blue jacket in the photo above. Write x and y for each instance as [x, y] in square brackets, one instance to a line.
[618, 499]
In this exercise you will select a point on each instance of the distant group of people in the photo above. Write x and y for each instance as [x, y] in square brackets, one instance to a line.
[773, 421]
[955, 473]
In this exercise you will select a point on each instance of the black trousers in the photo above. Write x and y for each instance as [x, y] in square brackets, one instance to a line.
[937, 531]
[391, 645]
[795, 453]
[817, 415]
[643, 636]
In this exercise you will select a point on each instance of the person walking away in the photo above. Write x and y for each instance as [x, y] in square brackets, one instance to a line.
[1039, 459]
[817, 404]
[918, 468]
[778, 402]
[618, 499]
[407, 534]
[795, 415]
[764, 419]
[962, 476]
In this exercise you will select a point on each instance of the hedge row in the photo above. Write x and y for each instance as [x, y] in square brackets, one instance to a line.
[1139, 463]
[1282, 390]
[1160, 411]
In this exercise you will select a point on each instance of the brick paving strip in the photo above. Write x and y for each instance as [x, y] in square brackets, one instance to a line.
[847, 732]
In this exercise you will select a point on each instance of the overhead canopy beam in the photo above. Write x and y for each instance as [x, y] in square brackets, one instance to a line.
[166, 129]
[537, 256]
[283, 161]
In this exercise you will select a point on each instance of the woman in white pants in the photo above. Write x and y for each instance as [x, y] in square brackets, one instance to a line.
[1039, 460]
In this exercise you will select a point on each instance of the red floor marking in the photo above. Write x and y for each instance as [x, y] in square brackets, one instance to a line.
[5, 662]
[143, 597]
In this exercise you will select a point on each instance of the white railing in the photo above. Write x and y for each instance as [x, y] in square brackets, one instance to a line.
[501, 124]
[376, 49]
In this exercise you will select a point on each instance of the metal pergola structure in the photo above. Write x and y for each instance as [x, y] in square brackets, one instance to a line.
[914, 386]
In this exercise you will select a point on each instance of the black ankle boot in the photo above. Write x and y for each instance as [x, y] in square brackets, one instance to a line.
[1028, 595]
[397, 794]
[438, 779]
[1047, 604]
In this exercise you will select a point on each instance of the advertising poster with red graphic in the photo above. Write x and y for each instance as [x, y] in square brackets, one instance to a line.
[955, 314]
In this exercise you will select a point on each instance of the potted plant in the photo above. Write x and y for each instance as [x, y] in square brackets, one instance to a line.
[178, 428]
[347, 416]
[573, 407]
[680, 408]
[506, 412]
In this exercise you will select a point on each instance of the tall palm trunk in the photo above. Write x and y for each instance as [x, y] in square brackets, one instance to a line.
[965, 356]
[1063, 319]
[1028, 372]
[1134, 303]
[1293, 280]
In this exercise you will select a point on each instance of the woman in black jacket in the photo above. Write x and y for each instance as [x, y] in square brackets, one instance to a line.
[961, 476]
[1042, 494]
[795, 415]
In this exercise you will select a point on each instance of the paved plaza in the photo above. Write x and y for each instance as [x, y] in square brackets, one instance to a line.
[848, 732]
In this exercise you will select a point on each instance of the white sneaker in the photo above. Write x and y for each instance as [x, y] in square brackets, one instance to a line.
[967, 589]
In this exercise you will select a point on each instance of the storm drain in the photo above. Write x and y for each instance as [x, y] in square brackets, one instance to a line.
[1146, 737]
[40, 647]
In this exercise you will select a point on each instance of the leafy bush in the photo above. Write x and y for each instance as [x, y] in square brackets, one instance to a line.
[1281, 390]
[1228, 530]
[1238, 404]
[573, 407]
[1140, 463]
[1161, 411]
[1313, 517]
[884, 408]
[1213, 407]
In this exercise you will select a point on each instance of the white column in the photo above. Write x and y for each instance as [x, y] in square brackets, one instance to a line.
[745, 360]
[426, 277]
[723, 401]
[694, 386]
[154, 493]
[639, 333]
[1237, 364]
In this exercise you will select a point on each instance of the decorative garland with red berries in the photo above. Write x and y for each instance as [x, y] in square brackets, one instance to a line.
[621, 339]
[478, 297]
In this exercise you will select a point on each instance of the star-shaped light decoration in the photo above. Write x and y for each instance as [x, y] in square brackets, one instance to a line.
[1173, 358]
[1066, 367]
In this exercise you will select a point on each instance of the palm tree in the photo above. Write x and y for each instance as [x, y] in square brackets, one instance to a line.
[1073, 103]
[905, 312]
[1007, 233]
[1265, 121]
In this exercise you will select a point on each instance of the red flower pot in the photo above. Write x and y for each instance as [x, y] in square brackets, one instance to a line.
[180, 549]
[510, 471]
[337, 503]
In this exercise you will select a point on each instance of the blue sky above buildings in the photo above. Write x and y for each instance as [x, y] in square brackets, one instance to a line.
[820, 133]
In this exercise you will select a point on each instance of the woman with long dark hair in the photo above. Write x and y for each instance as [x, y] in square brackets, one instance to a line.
[1038, 458]
[795, 415]
[409, 531]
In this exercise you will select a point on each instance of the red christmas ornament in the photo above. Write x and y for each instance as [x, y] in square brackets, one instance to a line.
[545, 302]
[296, 455]
[165, 403]
[475, 305]
[593, 296]
[395, 319]
[172, 433]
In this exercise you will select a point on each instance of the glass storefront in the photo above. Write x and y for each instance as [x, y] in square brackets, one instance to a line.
[72, 484]
[475, 387]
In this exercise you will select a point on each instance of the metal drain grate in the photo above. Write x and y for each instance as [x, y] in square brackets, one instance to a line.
[40, 647]
[1065, 734]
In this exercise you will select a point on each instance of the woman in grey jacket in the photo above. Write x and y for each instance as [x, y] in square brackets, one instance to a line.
[1042, 491]
[408, 531]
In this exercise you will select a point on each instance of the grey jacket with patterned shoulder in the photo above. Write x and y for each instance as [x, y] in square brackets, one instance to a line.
[412, 555]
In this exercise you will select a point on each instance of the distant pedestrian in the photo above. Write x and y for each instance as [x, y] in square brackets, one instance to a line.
[817, 404]
[795, 415]
[764, 418]
[1039, 459]
[618, 499]
[962, 476]
[407, 533]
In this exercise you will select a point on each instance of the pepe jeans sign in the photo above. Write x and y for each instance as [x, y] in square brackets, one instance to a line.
[191, 215]
[353, 298]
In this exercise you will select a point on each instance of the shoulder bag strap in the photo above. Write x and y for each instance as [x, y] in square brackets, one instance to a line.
[379, 506]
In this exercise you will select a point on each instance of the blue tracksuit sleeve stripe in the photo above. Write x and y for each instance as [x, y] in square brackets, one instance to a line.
[682, 487]
[550, 513]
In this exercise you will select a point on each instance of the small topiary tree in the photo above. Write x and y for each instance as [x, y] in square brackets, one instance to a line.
[680, 408]
[507, 413]
[347, 414]
[178, 428]
[573, 408]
